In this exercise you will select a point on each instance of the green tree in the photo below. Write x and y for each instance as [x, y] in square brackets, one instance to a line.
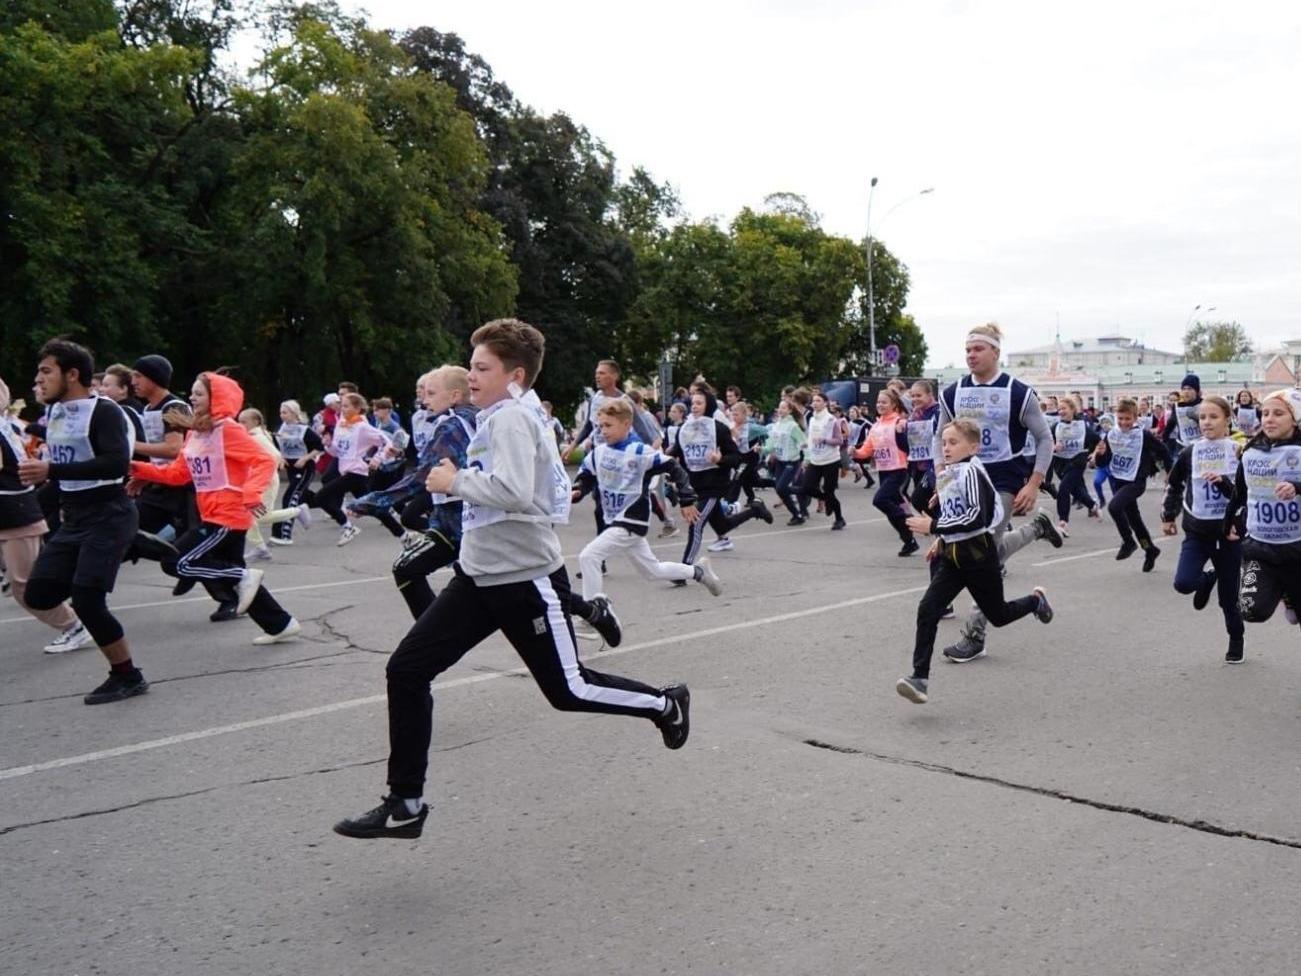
[85, 223]
[1216, 342]
[359, 189]
[890, 283]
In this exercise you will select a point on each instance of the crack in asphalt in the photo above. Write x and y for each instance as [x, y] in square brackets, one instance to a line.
[1202, 826]
[149, 801]
[339, 635]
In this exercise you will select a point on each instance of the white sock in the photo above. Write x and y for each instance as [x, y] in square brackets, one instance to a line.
[413, 805]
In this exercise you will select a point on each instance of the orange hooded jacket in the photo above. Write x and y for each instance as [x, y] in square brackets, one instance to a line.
[229, 470]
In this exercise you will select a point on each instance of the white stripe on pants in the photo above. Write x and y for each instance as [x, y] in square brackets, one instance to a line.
[616, 540]
[568, 657]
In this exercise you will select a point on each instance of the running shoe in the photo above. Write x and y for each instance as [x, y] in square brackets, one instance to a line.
[605, 622]
[947, 613]
[1094, 513]
[292, 630]
[1289, 613]
[275, 540]
[1044, 611]
[118, 687]
[1063, 529]
[1045, 529]
[258, 553]
[721, 545]
[412, 539]
[74, 637]
[390, 819]
[304, 515]
[761, 511]
[1127, 549]
[1150, 555]
[914, 689]
[348, 533]
[838, 525]
[184, 585]
[1204, 589]
[909, 548]
[224, 612]
[247, 589]
[968, 648]
[707, 577]
[1234, 654]
[669, 530]
[796, 520]
[676, 725]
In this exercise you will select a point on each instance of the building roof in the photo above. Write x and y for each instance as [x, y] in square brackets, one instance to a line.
[1103, 343]
[1142, 374]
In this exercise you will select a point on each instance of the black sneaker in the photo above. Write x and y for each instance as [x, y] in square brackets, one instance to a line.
[1127, 549]
[605, 622]
[947, 613]
[1204, 589]
[837, 525]
[796, 520]
[1043, 611]
[761, 510]
[1043, 523]
[914, 689]
[118, 687]
[968, 648]
[224, 612]
[676, 725]
[1149, 557]
[1234, 653]
[375, 823]
[183, 586]
[909, 548]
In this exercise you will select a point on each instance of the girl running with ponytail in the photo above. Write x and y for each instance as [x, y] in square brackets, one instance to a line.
[1073, 441]
[1265, 511]
[887, 445]
[300, 446]
[1201, 480]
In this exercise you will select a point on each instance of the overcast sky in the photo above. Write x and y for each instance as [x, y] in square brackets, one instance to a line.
[1114, 164]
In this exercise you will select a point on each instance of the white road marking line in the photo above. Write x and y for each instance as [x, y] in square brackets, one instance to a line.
[1070, 559]
[675, 543]
[89, 757]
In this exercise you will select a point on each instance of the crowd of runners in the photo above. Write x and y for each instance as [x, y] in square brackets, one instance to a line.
[113, 466]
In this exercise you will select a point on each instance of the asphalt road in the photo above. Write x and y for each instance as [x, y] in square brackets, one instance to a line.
[1100, 795]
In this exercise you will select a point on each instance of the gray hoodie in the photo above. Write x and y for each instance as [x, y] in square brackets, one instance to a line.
[514, 487]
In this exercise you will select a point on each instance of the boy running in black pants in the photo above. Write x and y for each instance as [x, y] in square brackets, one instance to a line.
[510, 577]
[90, 448]
[967, 510]
[1131, 453]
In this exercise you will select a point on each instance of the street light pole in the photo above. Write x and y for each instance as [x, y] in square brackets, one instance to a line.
[871, 297]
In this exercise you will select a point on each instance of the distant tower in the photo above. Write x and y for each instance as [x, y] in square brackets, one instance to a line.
[1055, 360]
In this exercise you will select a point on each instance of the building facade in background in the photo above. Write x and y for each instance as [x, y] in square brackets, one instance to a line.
[1104, 369]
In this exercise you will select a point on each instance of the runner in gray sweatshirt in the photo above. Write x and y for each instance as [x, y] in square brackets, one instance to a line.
[510, 577]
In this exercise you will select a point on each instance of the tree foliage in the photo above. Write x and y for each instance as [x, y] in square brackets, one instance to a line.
[1216, 342]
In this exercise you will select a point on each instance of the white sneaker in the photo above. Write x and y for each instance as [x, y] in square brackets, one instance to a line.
[722, 545]
[349, 533]
[584, 631]
[708, 578]
[275, 540]
[304, 515]
[247, 589]
[1064, 529]
[258, 553]
[292, 630]
[73, 638]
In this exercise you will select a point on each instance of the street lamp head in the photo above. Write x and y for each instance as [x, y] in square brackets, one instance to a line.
[929, 189]
[873, 183]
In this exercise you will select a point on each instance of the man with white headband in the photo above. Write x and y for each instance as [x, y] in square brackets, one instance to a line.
[1008, 411]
